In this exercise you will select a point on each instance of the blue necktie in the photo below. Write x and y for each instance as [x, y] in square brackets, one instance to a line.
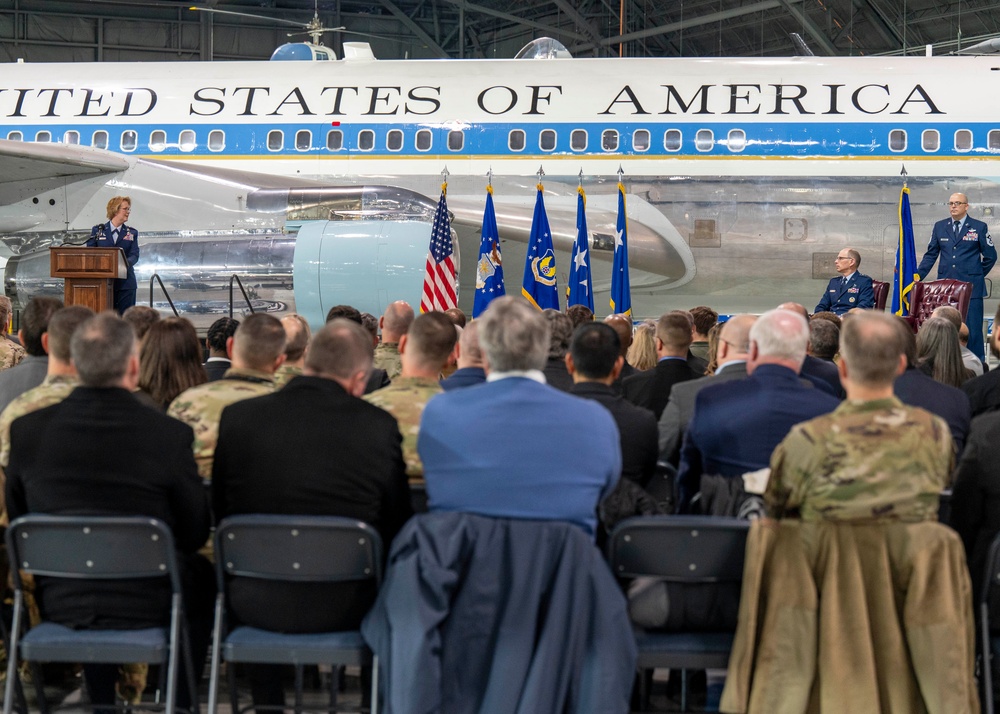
[957, 225]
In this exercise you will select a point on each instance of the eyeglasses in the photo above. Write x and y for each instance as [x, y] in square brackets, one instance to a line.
[958, 203]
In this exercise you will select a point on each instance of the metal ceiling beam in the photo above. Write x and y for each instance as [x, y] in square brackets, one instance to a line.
[817, 34]
[518, 20]
[414, 28]
[581, 22]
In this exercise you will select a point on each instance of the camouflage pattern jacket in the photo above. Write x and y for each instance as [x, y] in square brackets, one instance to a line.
[405, 399]
[387, 358]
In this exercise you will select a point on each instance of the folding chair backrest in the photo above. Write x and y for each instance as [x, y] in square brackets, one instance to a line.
[685, 549]
[92, 547]
[298, 548]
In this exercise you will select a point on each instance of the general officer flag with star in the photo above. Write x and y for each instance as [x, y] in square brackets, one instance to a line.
[580, 291]
[539, 284]
[489, 269]
[621, 294]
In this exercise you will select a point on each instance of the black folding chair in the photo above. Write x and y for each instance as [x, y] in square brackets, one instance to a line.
[689, 550]
[104, 548]
[989, 644]
[292, 549]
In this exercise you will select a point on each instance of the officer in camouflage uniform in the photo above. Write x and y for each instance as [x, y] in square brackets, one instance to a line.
[258, 350]
[297, 335]
[10, 352]
[424, 351]
[395, 323]
[873, 458]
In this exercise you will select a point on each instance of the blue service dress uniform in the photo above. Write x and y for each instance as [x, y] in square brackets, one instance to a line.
[841, 295]
[103, 235]
[967, 256]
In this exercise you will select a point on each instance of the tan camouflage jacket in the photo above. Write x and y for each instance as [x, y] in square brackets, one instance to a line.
[11, 353]
[405, 399]
[387, 358]
[285, 374]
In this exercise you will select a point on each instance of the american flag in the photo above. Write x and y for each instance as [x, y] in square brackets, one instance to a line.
[440, 289]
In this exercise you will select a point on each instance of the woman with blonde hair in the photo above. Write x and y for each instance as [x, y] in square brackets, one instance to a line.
[642, 353]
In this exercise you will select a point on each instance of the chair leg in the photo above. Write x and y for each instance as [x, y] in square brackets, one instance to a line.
[12, 647]
[374, 702]
[213, 682]
[298, 688]
[192, 675]
[334, 685]
[684, 690]
[987, 674]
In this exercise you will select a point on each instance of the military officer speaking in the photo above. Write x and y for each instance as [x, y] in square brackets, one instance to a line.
[115, 234]
[966, 253]
[850, 289]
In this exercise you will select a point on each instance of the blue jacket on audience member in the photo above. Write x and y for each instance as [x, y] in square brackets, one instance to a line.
[840, 297]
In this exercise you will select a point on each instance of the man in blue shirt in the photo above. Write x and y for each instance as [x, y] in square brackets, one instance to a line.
[966, 253]
[850, 289]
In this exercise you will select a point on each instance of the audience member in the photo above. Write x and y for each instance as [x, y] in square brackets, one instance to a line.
[11, 353]
[916, 389]
[378, 377]
[699, 365]
[470, 360]
[984, 392]
[536, 452]
[560, 333]
[705, 318]
[217, 342]
[423, 351]
[30, 372]
[170, 361]
[938, 353]
[395, 322]
[736, 424]
[622, 324]
[141, 318]
[347, 462]
[969, 359]
[824, 339]
[651, 389]
[830, 316]
[733, 353]
[579, 315]
[642, 352]
[713, 349]
[258, 349]
[370, 323]
[821, 373]
[103, 473]
[297, 336]
[456, 316]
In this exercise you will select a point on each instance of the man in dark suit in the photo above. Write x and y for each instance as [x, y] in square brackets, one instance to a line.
[733, 353]
[470, 361]
[848, 290]
[220, 347]
[323, 451]
[822, 373]
[100, 451]
[967, 253]
[651, 389]
[736, 425]
[115, 234]
[983, 392]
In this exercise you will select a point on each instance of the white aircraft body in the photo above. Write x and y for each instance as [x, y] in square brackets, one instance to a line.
[315, 182]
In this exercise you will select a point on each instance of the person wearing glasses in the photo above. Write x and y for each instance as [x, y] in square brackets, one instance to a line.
[115, 234]
[850, 289]
[966, 253]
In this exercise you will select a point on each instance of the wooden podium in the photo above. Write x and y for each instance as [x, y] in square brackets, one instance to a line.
[89, 274]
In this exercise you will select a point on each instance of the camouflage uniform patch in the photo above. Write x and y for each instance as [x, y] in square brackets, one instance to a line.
[405, 399]
[11, 353]
[201, 408]
[877, 460]
[387, 358]
[285, 374]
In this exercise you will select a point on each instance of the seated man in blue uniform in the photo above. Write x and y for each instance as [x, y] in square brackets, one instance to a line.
[115, 234]
[850, 289]
[967, 253]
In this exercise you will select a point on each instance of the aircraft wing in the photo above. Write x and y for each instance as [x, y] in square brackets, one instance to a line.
[26, 161]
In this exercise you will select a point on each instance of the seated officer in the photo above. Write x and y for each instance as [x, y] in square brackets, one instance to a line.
[851, 289]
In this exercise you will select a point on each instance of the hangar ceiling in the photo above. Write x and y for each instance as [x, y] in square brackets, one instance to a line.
[136, 30]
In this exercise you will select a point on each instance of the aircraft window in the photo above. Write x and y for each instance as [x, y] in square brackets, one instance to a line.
[456, 140]
[897, 140]
[394, 140]
[640, 140]
[43, 136]
[303, 140]
[335, 140]
[736, 140]
[129, 140]
[578, 140]
[993, 140]
[547, 140]
[71, 137]
[931, 140]
[187, 141]
[275, 140]
[963, 140]
[158, 140]
[424, 140]
[672, 140]
[216, 140]
[704, 140]
[366, 139]
[609, 140]
[515, 140]
[15, 136]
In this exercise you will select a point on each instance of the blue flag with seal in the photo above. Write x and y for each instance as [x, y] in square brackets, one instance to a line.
[621, 293]
[579, 291]
[539, 284]
[904, 274]
[489, 269]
